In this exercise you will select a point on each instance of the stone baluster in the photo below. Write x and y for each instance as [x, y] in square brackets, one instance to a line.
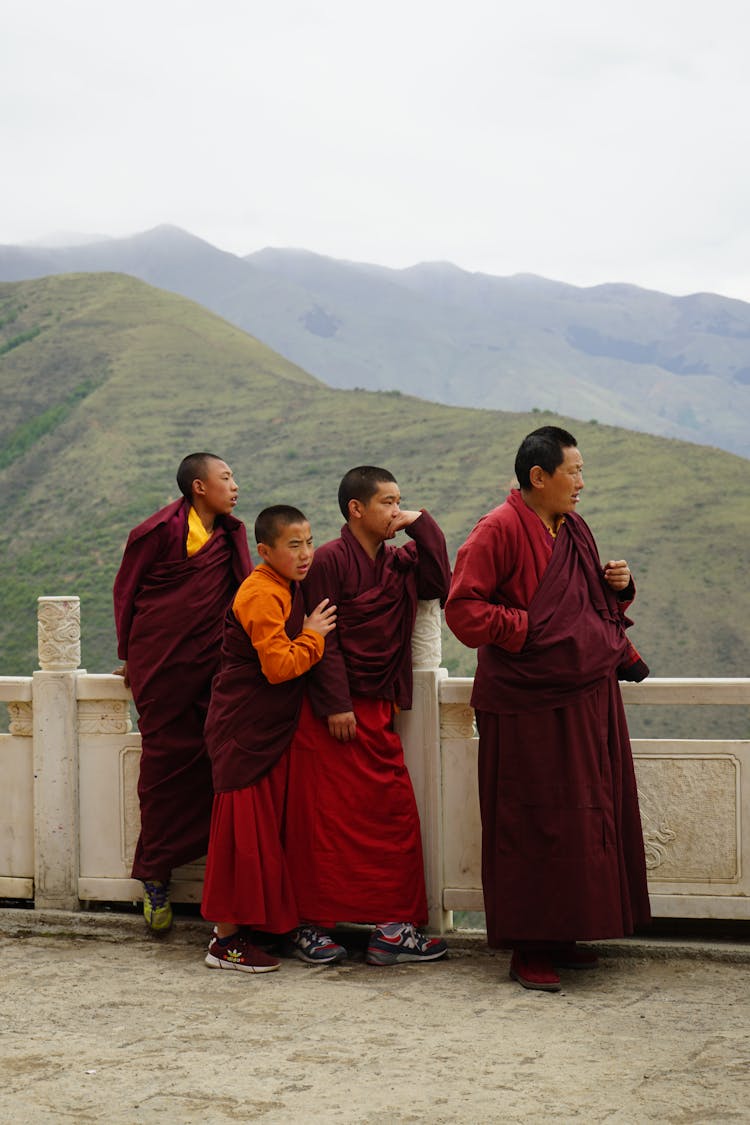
[56, 815]
[420, 732]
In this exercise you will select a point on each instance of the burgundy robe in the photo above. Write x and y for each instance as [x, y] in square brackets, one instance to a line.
[169, 611]
[562, 846]
[250, 721]
[352, 834]
[248, 730]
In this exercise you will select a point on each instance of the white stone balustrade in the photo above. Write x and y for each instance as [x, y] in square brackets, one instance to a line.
[69, 765]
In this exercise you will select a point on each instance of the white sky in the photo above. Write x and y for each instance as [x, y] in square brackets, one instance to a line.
[583, 140]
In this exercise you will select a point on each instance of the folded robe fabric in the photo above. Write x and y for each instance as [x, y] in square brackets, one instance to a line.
[169, 610]
[562, 846]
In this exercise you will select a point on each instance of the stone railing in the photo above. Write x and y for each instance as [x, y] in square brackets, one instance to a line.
[69, 765]
[694, 797]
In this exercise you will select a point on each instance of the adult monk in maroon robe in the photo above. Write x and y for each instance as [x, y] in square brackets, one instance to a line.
[180, 571]
[353, 844]
[562, 847]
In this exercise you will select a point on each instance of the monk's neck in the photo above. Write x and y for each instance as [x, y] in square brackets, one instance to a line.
[551, 520]
[371, 546]
[206, 515]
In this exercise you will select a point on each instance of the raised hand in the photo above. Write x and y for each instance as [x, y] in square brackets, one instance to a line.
[322, 620]
[401, 519]
[617, 574]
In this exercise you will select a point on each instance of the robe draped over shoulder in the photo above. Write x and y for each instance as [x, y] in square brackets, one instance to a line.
[251, 718]
[369, 652]
[562, 846]
[255, 703]
[169, 612]
[353, 841]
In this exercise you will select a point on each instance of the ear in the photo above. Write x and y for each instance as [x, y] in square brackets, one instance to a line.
[536, 476]
[263, 550]
[199, 487]
[356, 507]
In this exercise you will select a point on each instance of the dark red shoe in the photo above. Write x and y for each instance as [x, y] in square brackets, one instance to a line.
[572, 956]
[238, 953]
[534, 970]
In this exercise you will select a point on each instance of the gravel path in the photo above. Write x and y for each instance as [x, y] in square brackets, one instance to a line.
[117, 1028]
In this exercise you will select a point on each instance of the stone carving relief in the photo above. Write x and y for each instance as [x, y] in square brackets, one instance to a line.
[21, 719]
[130, 812]
[690, 817]
[59, 634]
[457, 721]
[657, 834]
[104, 716]
[426, 647]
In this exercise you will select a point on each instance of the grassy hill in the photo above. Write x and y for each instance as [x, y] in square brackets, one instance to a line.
[675, 366]
[107, 383]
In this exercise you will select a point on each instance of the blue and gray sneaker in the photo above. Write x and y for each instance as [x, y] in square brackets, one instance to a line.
[157, 909]
[314, 947]
[399, 943]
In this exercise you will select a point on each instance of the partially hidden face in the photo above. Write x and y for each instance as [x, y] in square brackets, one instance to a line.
[378, 513]
[292, 553]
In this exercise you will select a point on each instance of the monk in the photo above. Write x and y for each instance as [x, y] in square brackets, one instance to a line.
[269, 644]
[562, 848]
[353, 841]
[180, 571]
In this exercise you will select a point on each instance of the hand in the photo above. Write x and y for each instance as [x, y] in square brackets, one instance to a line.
[122, 671]
[322, 619]
[401, 520]
[343, 726]
[617, 574]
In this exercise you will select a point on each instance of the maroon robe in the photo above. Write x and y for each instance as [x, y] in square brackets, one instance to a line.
[169, 611]
[562, 846]
[248, 730]
[352, 839]
[250, 721]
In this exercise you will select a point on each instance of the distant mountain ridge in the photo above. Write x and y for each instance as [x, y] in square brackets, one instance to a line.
[675, 366]
[107, 382]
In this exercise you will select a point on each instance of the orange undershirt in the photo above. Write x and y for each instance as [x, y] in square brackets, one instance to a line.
[262, 605]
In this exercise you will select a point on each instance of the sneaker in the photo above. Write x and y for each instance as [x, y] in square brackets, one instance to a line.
[157, 909]
[314, 947]
[238, 953]
[399, 943]
[535, 971]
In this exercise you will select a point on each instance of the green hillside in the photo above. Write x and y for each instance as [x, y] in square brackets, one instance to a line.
[106, 383]
[630, 357]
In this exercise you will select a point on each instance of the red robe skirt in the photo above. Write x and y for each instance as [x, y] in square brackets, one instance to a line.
[352, 834]
[562, 849]
[247, 881]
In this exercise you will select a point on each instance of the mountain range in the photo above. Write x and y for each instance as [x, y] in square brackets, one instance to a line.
[107, 382]
[617, 354]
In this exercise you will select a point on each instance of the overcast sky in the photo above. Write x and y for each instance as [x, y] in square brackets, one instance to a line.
[587, 141]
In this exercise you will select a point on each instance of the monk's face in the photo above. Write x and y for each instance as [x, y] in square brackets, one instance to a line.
[218, 489]
[561, 489]
[378, 513]
[291, 554]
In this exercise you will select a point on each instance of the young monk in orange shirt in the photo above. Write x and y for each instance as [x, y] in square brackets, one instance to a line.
[269, 644]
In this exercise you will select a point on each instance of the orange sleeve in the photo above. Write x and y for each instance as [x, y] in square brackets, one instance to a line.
[262, 613]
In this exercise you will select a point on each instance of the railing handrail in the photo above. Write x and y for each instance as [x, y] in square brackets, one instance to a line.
[707, 690]
[667, 691]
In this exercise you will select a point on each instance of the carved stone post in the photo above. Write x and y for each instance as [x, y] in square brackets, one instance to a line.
[56, 755]
[420, 734]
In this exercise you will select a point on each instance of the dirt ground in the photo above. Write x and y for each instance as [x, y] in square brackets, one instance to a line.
[108, 1025]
